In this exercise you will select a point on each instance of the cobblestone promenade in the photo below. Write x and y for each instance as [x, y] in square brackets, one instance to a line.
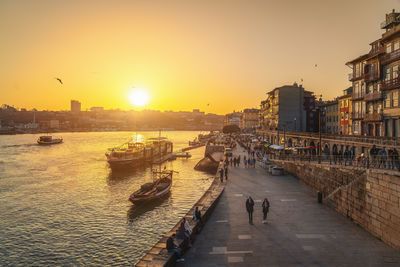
[299, 232]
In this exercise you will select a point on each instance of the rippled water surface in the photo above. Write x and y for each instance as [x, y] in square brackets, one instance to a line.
[62, 205]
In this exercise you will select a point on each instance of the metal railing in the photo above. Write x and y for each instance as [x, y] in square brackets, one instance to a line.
[390, 56]
[389, 84]
[373, 117]
[373, 96]
[372, 162]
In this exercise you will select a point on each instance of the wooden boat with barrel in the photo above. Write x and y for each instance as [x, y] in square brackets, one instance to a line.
[155, 190]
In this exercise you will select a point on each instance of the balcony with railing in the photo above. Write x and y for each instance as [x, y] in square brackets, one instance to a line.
[371, 76]
[373, 117]
[377, 95]
[389, 57]
[390, 84]
[356, 115]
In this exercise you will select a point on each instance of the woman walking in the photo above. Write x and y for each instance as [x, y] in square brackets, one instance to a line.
[265, 209]
[249, 208]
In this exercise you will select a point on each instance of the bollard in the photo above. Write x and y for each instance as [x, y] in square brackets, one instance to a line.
[319, 197]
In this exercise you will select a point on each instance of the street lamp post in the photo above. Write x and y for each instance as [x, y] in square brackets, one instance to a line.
[319, 130]
[295, 125]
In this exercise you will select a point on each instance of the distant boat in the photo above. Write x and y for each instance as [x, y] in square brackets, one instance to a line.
[182, 154]
[155, 190]
[195, 142]
[49, 140]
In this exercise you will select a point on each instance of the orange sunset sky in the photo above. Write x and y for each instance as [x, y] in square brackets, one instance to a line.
[185, 54]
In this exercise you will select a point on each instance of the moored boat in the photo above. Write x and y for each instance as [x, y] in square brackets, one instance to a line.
[182, 154]
[49, 140]
[128, 155]
[155, 190]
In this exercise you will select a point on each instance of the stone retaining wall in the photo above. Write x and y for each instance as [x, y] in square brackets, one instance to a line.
[158, 255]
[371, 198]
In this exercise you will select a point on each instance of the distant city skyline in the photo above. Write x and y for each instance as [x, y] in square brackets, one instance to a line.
[217, 56]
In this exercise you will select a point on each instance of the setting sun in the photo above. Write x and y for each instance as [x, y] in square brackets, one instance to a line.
[139, 98]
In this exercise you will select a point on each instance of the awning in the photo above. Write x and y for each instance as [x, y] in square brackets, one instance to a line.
[276, 147]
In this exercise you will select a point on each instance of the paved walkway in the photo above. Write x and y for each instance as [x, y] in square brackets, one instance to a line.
[299, 232]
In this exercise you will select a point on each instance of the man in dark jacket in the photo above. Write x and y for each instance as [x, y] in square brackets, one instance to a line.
[249, 208]
[172, 248]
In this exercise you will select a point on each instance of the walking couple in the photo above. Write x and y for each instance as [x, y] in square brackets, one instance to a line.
[250, 207]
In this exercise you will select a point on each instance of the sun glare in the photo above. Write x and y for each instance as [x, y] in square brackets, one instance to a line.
[139, 97]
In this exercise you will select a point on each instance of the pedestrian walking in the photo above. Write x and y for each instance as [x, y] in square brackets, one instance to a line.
[249, 162]
[231, 161]
[221, 175]
[245, 162]
[249, 208]
[265, 209]
[226, 173]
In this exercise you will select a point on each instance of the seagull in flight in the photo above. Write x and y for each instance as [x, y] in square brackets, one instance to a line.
[316, 65]
[58, 79]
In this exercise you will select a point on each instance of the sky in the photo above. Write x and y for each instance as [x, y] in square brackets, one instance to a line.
[213, 55]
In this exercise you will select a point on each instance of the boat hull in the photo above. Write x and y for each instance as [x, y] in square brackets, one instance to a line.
[54, 142]
[126, 163]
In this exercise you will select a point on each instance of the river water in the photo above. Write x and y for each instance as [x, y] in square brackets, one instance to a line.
[62, 204]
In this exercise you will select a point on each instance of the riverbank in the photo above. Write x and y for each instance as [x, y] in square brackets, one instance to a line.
[52, 131]
[158, 255]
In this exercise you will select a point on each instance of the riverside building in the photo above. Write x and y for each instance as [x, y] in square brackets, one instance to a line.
[289, 108]
[376, 84]
[330, 119]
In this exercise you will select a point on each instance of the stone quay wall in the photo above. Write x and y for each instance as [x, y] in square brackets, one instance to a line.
[369, 197]
[158, 255]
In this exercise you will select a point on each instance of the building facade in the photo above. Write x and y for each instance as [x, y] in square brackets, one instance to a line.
[289, 108]
[75, 106]
[376, 84]
[330, 117]
[249, 120]
[345, 112]
[233, 118]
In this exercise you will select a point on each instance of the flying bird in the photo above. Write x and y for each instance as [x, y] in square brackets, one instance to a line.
[58, 79]
[301, 79]
[316, 65]
[208, 104]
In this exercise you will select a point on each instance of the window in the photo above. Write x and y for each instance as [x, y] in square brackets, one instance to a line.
[347, 103]
[395, 98]
[387, 100]
[347, 116]
[342, 116]
[356, 89]
[370, 88]
[395, 73]
[357, 70]
[387, 74]
[388, 48]
[396, 45]
[362, 88]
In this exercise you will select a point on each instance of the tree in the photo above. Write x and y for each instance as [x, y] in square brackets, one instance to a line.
[233, 128]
